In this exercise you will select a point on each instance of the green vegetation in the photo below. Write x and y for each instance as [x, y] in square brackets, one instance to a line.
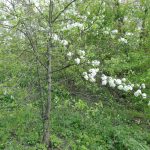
[76, 124]
[60, 67]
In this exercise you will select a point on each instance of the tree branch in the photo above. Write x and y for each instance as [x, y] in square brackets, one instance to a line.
[62, 11]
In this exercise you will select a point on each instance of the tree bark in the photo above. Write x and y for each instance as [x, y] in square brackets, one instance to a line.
[143, 33]
[46, 134]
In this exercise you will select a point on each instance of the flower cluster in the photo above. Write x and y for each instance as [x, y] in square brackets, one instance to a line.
[114, 32]
[121, 84]
[55, 37]
[106, 30]
[91, 74]
[77, 60]
[81, 54]
[73, 25]
[122, 1]
[69, 55]
[129, 34]
[95, 63]
[123, 40]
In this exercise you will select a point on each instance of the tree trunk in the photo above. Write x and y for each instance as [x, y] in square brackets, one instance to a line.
[46, 135]
[119, 18]
[143, 33]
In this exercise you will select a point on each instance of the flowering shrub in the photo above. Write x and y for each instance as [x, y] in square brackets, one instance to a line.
[120, 84]
[55, 37]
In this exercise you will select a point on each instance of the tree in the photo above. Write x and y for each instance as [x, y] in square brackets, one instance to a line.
[49, 28]
[23, 24]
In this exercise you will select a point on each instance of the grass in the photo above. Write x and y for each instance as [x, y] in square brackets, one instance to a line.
[76, 125]
[83, 124]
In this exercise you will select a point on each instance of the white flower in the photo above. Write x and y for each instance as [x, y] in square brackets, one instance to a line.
[88, 13]
[125, 18]
[88, 62]
[97, 69]
[122, 1]
[94, 70]
[123, 79]
[110, 78]
[81, 26]
[123, 40]
[77, 24]
[64, 42]
[5, 92]
[69, 55]
[130, 87]
[92, 74]
[73, 25]
[112, 83]
[86, 77]
[77, 61]
[137, 93]
[84, 73]
[12, 97]
[81, 52]
[92, 79]
[95, 63]
[104, 82]
[104, 77]
[114, 31]
[55, 37]
[129, 33]
[126, 88]
[139, 28]
[118, 81]
[106, 32]
[82, 57]
[120, 87]
[143, 86]
[144, 95]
